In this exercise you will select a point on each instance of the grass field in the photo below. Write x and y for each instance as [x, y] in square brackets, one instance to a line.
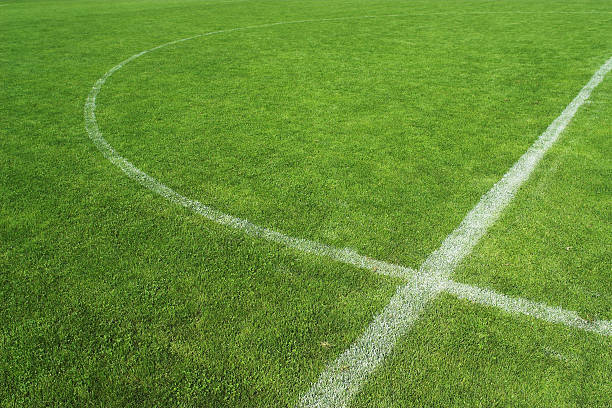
[366, 130]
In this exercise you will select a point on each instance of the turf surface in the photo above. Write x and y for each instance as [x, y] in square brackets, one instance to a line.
[377, 134]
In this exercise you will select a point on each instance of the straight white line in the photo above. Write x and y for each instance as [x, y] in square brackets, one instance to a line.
[341, 380]
[538, 310]
[462, 240]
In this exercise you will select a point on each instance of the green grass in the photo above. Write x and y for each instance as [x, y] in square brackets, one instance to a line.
[374, 134]
[352, 133]
[554, 243]
[461, 355]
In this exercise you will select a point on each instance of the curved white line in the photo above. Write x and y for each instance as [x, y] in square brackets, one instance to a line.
[344, 255]
[343, 378]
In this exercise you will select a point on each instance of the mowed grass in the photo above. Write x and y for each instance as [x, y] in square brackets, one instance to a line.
[376, 134]
[554, 243]
[352, 132]
[553, 246]
[461, 354]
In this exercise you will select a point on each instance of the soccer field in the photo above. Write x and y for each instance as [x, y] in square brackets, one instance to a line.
[258, 203]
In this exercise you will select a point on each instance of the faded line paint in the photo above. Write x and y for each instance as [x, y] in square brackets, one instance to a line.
[516, 305]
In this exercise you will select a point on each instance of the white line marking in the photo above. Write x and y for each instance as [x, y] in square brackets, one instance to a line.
[538, 310]
[568, 359]
[341, 380]
[345, 255]
[339, 383]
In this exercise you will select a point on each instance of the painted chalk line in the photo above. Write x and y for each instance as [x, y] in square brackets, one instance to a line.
[414, 294]
[516, 305]
[344, 255]
[341, 380]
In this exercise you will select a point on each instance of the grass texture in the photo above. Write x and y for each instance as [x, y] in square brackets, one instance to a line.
[376, 134]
